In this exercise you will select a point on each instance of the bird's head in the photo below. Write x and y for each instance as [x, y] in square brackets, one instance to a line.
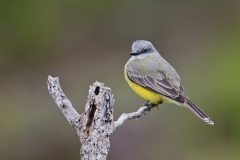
[142, 47]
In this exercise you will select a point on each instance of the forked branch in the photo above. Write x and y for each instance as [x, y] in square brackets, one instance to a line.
[95, 125]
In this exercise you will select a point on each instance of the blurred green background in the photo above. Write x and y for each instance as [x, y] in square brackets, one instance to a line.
[84, 41]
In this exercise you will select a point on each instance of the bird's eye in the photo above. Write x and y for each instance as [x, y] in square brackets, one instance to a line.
[145, 50]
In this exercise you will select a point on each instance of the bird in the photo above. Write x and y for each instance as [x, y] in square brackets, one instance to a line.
[151, 77]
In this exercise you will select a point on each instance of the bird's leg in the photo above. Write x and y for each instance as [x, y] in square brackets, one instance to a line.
[149, 105]
[146, 104]
[152, 105]
[160, 102]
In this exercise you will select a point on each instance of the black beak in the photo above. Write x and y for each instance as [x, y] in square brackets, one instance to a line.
[134, 53]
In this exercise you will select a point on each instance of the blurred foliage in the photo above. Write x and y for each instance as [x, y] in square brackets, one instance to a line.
[84, 41]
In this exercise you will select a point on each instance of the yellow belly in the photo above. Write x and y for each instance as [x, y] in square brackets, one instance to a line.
[153, 97]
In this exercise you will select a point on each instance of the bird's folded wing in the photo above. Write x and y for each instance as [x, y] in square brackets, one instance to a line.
[157, 84]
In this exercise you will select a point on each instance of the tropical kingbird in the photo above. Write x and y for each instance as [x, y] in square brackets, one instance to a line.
[154, 79]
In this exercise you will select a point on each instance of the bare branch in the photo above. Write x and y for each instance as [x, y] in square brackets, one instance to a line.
[128, 116]
[95, 125]
[62, 101]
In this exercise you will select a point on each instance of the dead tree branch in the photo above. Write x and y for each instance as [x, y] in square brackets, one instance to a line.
[128, 116]
[95, 125]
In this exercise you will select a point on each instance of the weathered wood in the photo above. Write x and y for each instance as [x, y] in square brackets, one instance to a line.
[95, 125]
[62, 102]
[128, 116]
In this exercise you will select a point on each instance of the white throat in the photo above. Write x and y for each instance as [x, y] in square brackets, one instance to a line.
[141, 56]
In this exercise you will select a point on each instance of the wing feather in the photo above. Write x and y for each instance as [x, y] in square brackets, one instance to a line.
[158, 84]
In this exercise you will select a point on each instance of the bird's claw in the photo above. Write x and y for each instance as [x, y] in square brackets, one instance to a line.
[160, 102]
[151, 105]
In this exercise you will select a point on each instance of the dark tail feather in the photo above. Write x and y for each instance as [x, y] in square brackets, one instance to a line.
[196, 110]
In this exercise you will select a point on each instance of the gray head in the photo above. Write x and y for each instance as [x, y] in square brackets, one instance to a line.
[142, 47]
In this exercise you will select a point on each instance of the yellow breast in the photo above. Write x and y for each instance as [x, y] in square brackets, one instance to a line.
[143, 92]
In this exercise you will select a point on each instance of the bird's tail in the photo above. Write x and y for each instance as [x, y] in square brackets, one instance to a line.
[196, 110]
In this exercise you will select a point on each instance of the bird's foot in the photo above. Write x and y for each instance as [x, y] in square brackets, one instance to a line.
[150, 105]
[160, 102]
